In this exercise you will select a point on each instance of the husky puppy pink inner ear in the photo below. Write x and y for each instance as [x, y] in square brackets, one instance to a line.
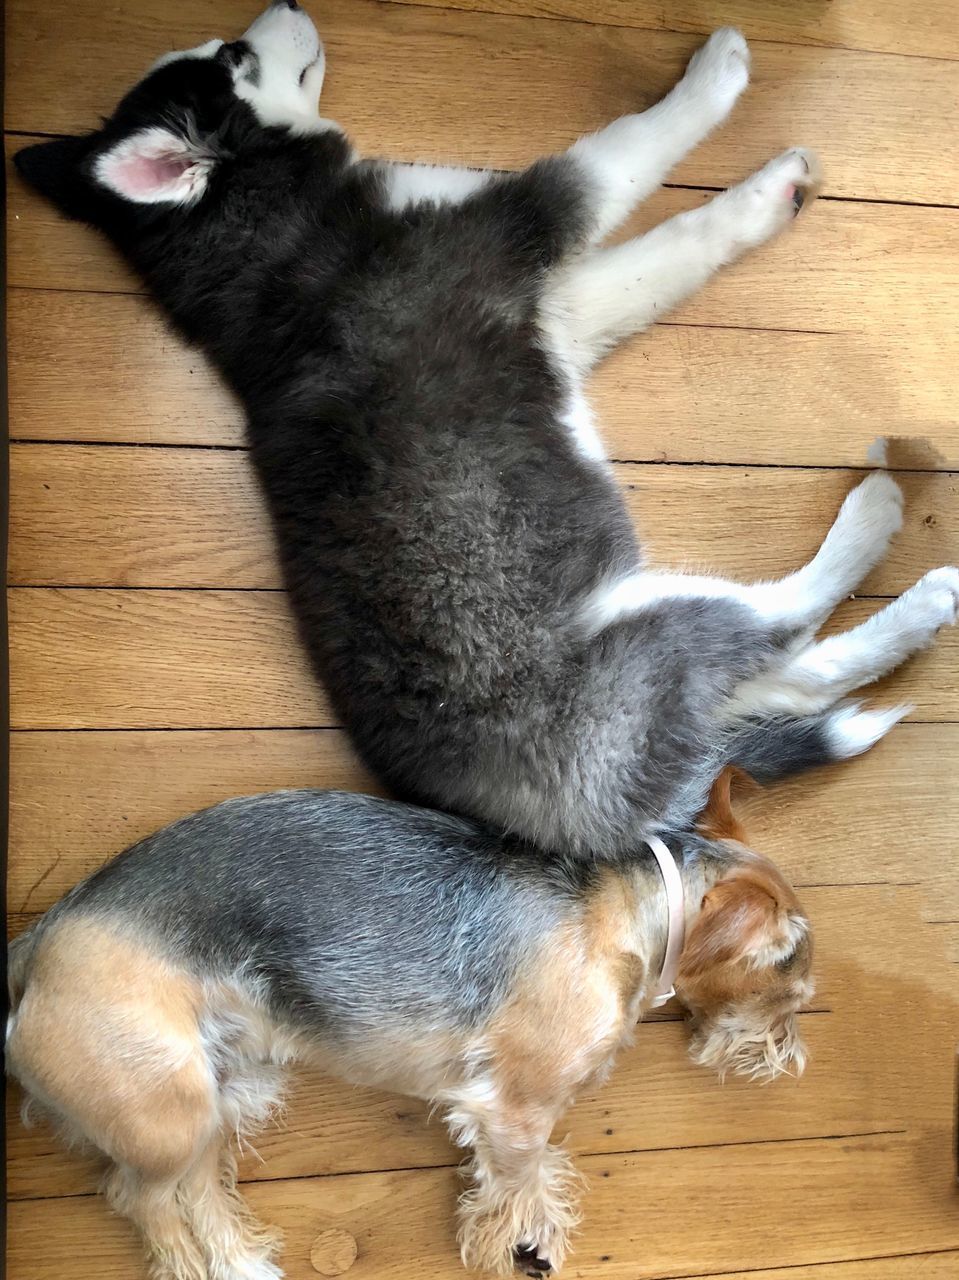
[154, 166]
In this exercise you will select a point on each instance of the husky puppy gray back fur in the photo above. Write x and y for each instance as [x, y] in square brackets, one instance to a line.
[410, 345]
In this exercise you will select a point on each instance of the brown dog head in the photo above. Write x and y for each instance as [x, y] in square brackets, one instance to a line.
[746, 966]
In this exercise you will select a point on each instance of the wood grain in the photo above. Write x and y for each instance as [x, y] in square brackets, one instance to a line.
[914, 1266]
[117, 516]
[802, 354]
[114, 516]
[932, 30]
[86, 366]
[106, 367]
[78, 798]
[98, 659]
[694, 393]
[654, 1099]
[842, 267]
[404, 82]
[138, 659]
[903, 1197]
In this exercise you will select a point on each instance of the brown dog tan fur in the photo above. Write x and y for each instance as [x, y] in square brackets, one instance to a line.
[136, 1046]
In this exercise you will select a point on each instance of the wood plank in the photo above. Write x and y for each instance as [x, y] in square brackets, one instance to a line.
[45, 251]
[403, 81]
[78, 798]
[915, 1266]
[919, 971]
[105, 367]
[107, 659]
[692, 393]
[808, 1201]
[116, 516]
[656, 1098]
[145, 659]
[859, 822]
[842, 267]
[931, 30]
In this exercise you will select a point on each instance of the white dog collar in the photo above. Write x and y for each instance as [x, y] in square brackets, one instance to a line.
[676, 936]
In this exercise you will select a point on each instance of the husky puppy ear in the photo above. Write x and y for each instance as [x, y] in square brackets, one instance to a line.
[154, 166]
[57, 170]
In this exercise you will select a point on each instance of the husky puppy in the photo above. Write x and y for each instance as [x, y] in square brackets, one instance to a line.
[157, 1007]
[410, 344]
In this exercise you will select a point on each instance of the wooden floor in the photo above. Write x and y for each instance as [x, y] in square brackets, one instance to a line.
[155, 669]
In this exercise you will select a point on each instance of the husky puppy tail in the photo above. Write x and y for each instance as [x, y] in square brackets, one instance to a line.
[775, 747]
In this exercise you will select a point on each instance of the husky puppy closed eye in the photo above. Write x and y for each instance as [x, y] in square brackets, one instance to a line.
[410, 344]
[157, 1008]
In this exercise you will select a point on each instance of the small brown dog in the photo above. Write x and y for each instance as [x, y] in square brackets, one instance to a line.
[156, 1006]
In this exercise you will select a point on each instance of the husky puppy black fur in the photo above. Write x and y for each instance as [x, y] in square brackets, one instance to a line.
[410, 344]
[157, 1007]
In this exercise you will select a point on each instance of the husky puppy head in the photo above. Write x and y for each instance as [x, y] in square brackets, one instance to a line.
[194, 109]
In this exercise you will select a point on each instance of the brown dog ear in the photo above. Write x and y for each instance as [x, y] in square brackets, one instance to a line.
[717, 821]
[739, 917]
[750, 915]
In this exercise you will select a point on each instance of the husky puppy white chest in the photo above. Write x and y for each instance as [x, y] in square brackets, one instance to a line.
[410, 344]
